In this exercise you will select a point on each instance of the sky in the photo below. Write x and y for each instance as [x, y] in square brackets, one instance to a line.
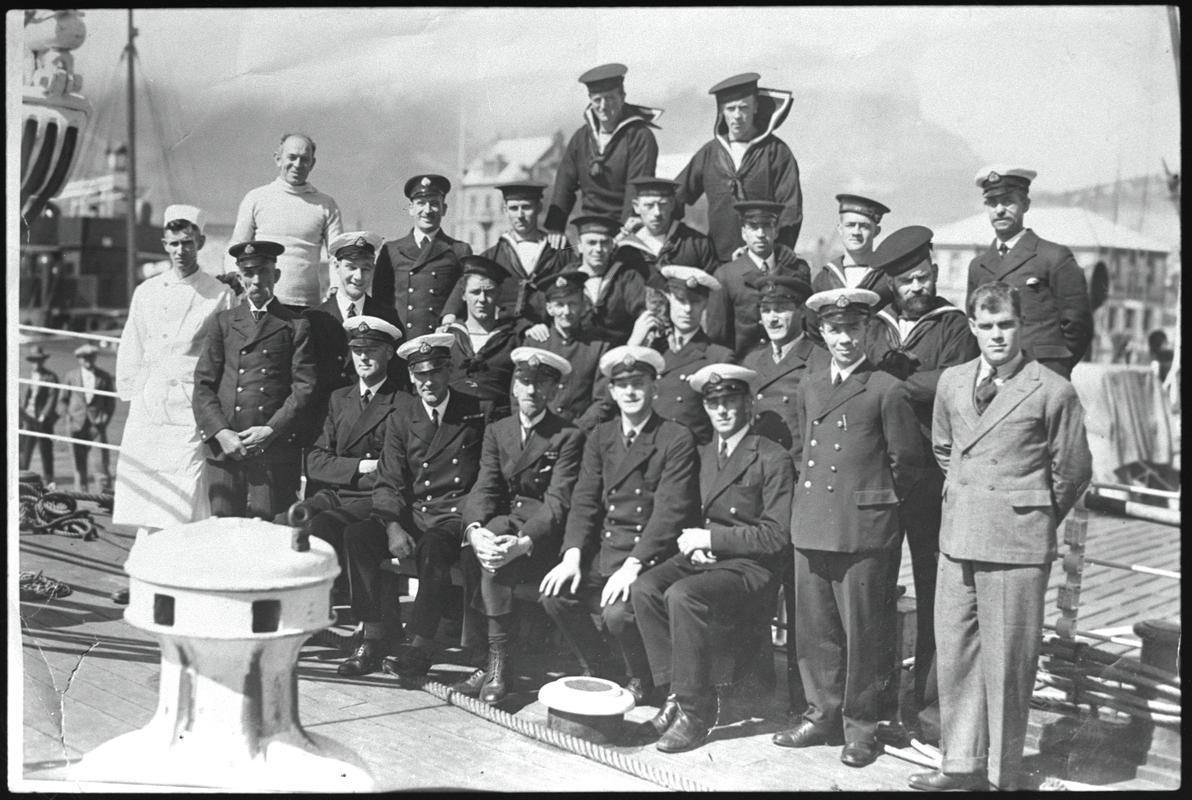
[904, 102]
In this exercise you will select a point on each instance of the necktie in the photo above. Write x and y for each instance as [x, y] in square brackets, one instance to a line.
[722, 456]
[351, 310]
[1002, 249]
[836, 381]
[777, 354]
[525, 431]
[986, 390]
[365, 396]
[629, 439]
[258, 314]
[434, 417]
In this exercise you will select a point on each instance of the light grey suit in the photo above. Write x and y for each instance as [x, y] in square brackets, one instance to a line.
[1013, 473]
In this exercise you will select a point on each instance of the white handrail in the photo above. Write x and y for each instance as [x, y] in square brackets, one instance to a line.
[57, 438]
[35, 382]
[99, 337]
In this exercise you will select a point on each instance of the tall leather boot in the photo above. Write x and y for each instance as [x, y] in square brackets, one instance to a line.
[494, 687]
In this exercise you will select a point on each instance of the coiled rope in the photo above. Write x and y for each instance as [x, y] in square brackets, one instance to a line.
[564, 741]
[58, 512]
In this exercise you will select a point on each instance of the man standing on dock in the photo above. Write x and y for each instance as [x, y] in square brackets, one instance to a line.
[1010, 436]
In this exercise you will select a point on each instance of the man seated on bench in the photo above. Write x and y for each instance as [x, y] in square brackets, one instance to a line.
[517, 507]
[428, 463]
[344, 459]
[726, 569]
[638, 486]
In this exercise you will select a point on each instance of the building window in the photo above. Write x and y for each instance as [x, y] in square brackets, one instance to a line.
[1111, 318]
[1148, 317]
[1130, 318]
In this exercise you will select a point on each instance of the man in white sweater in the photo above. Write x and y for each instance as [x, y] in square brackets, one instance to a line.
[295, 214]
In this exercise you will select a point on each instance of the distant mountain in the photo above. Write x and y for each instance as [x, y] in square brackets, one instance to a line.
[871, 141]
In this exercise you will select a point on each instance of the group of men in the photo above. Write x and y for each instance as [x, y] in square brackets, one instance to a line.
[650, 426]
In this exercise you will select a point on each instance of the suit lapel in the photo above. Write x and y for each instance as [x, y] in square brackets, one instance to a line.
[449, 427]
[828, 397]
[243, 323]
[792, 361]
[1018, 255]
[434, 247]
[537, 443]
[1008, 398]
[695, 349]
[641, 450]
[372, 416]
[737, 463]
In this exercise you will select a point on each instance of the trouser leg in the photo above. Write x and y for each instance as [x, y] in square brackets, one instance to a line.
[964, 725]
[650, 612]
[820, 640]
[865, 595]
[227, 488]
[572, 614]
[80, 452]
[105, 455]
[46, 448]
[921, 519]
[366, 546]
[272, 483]
[618, 618]
[436, 550]
[1010, 604]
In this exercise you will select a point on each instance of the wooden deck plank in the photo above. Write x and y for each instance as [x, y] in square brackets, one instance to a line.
[411, 739]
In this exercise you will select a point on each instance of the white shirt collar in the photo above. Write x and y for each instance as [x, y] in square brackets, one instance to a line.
[342, 300]
[1004, 372]
[785, 349]
[846, 371]
[252, 307]
[680, 340]
[420, 236]
[764, 264]
[441, 407]
[376, 387]
[530, 423]
[1013, 240]
[733, 440]
[626, 427]
[847, 260]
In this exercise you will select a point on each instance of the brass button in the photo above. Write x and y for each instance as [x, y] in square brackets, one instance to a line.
[832, 468]
[835, 446]
[829, 488]
[807, 484]
[637, 538]
[732, 511]
[810, 463]
[813, 443]
[785, 399]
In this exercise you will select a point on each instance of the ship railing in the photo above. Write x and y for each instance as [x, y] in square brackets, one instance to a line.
[110, 340]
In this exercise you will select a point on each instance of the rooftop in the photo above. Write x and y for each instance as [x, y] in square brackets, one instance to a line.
[1076, 228]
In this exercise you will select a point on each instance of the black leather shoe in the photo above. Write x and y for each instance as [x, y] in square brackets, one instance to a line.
[664, 718]
[410, 661]
[687, 732]
[639, 689]
[365, 658]
[805, 734]
[957, 782]
[472, 684]
[859, 754]
[494, 688]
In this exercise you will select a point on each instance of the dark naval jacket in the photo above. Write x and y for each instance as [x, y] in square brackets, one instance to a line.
[633, 502]
[349, 435]
[417, 282]
[426, 472]
[252, 373]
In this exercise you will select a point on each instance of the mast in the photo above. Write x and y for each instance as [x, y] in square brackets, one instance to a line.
[131, 221]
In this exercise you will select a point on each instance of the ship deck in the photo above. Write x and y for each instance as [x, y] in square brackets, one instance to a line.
[88, 676]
